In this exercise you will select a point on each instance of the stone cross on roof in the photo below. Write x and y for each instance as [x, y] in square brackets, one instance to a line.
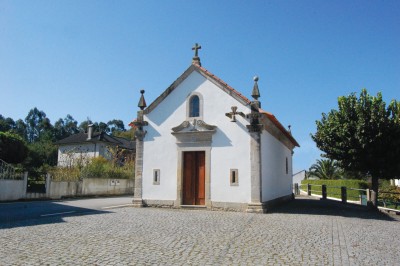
[196, 58]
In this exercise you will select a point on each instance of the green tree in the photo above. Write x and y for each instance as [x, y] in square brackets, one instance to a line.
[13, 148]
[37, 125]
[325, 169]
[65, 127]
[115, 126]
[41, 154]
[84, 125]
[20, 129]
[102, 127]
[128, 134]
[6, 124]
[363, 136]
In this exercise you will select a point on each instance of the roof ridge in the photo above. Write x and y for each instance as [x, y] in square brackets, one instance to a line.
[222, 82]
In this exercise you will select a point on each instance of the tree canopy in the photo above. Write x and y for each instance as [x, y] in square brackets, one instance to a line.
[363, 135]
[13, 148]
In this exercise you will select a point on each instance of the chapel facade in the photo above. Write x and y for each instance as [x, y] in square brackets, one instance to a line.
[203, 144]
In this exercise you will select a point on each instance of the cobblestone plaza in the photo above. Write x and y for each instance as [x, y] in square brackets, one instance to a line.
[303, 232]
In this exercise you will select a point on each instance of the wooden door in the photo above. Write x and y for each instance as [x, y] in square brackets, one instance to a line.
[194, 178]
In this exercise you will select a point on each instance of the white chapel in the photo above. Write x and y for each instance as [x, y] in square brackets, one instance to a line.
[203, 144]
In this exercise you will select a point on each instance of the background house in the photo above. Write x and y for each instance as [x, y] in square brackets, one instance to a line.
[80, 148]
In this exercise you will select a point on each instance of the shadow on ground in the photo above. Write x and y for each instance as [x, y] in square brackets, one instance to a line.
[38, 213]
[315, 206]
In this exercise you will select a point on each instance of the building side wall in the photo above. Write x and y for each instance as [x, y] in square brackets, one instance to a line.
[229, 148]
[298, 177]
[70, 155]
[276, 182]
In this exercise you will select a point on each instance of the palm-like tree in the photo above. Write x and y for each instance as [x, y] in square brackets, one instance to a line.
[325, 169]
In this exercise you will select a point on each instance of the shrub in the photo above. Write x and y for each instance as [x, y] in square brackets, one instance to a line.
[65, 174]
[389, 195]
[13, 148]
[98, 167]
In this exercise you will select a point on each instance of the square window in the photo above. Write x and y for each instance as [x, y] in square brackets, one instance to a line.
[156, 176]
[287, 166]
[234, 177]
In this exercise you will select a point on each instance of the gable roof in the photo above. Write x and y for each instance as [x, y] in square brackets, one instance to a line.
[225, 87]
[205, 73]
[82, 137]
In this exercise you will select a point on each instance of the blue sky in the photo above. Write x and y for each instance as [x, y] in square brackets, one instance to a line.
[91, 58]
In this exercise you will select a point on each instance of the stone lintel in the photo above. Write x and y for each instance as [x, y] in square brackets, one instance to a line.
[194, 136]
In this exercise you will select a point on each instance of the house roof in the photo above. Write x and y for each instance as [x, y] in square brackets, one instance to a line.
[225, 87]
[82, 137]
[274, 120]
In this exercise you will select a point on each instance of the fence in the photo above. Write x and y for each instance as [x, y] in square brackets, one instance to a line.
[353, 195]
[8, 172]
[389, 199]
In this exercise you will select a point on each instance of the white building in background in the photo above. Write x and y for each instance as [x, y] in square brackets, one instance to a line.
[203, 143]
[299, 176]
[79, 148]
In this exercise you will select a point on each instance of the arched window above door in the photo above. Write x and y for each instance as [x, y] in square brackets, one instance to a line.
[195, 106]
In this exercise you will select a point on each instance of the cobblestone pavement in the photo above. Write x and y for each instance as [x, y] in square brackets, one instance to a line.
[304, 232]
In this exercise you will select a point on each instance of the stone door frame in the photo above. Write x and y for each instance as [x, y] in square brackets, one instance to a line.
[192, 147]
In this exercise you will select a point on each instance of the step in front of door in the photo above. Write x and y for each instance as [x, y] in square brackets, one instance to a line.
[194, 207]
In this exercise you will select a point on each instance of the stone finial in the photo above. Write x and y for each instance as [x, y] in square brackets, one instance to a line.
[255, 105]
[256, 92]
[142, 101]
[196, 58]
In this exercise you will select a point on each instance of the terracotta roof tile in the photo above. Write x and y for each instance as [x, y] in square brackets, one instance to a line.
[274, 120]
[223, 83]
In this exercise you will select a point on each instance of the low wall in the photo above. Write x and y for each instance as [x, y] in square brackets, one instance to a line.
[61, 189]
[96, 186]
[16, 189]
[12, 189]
[90, 187]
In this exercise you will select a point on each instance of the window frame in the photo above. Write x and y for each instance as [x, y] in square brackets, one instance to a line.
[156, 173]
[189, 106]
[234, 177]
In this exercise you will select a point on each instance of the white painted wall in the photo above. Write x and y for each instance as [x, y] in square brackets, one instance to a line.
[230, 146]
[69, 155]
[16, 189]
[298, 177]
[12, 189]
[275, 182]
[100, 186]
